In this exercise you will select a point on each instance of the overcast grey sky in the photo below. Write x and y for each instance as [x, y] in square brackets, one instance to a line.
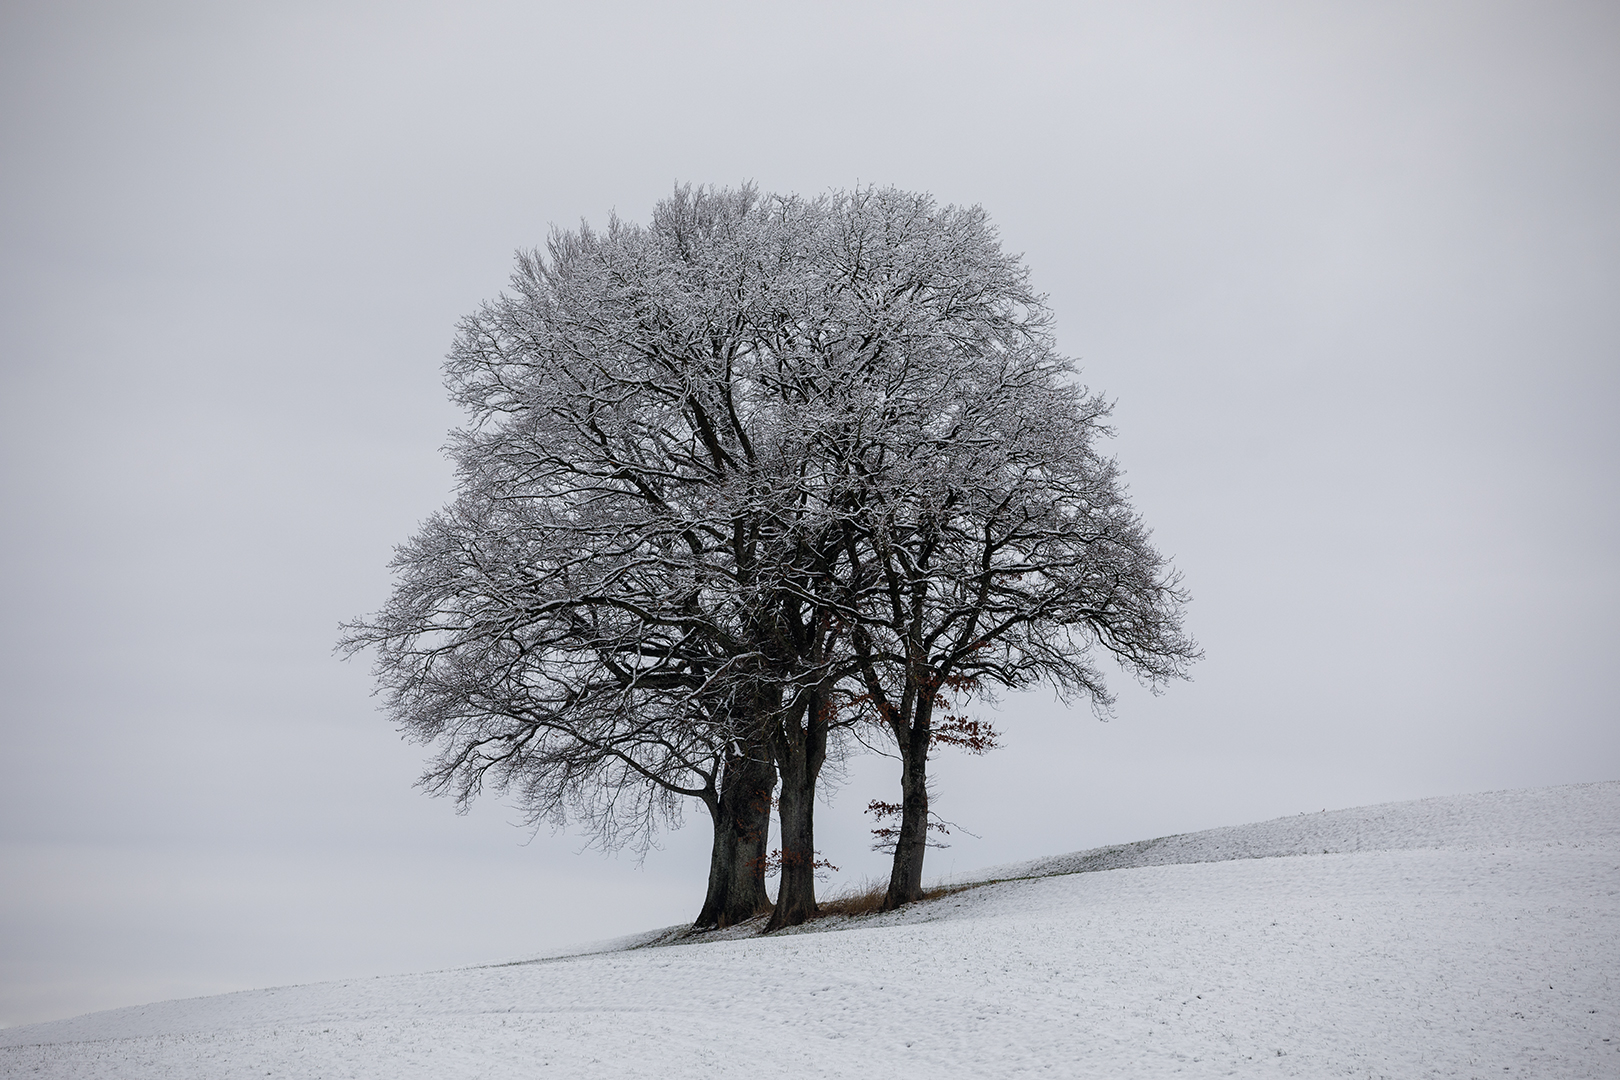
[1351, 272]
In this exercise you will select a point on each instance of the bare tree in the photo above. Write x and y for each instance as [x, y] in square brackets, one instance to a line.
[762, 469]
[986, 542]
[568, 629]
[613, 615]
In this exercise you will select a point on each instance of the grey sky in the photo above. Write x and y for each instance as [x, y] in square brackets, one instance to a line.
[1352, 273]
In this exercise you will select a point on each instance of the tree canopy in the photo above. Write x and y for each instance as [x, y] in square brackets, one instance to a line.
[762, 470]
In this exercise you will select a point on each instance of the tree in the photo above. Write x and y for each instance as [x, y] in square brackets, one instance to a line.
[610, 616]
[984, 540]
[762, 470]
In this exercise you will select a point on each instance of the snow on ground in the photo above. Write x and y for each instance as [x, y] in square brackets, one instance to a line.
[1466, 937]
[1576, 814]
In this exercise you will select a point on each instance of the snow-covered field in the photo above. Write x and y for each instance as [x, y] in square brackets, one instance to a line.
[1473, 936]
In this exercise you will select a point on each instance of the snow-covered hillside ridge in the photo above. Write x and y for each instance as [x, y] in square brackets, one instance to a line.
[1575, 814]
[1572, 815]
[1461, 937]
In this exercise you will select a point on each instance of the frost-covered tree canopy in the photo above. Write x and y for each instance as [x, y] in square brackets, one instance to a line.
[761, 468]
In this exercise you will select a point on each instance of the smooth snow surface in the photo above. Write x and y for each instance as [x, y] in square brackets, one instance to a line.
[1469, 937]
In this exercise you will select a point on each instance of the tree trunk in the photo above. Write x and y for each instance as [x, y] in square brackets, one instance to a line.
[905, 878]
[721, 855]
[742, 818]
[750, 797]
[801, 747]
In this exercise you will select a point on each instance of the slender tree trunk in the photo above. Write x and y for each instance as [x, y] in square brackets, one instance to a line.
[905, 878]
[742, 817]
[801, 747]
[721, 854]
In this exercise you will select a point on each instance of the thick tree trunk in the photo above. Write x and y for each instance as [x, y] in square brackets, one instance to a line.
[742, 818]
[905, 878]
[750, 797]
[800, 748]
[796, 892]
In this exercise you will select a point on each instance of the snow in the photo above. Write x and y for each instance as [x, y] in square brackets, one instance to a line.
[1471, 936]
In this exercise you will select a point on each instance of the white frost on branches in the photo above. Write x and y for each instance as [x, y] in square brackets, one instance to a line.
[766, 457]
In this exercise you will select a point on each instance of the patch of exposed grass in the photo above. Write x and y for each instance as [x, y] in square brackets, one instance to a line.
[863, 899]
[951, 890]
[867, 898]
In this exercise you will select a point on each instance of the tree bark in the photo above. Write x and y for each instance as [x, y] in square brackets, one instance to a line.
[905, 877]
[742, 816]
[750, 781]
[800, 745]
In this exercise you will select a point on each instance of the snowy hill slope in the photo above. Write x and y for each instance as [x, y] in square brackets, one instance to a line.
[1581, 813]
[1449, 937]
